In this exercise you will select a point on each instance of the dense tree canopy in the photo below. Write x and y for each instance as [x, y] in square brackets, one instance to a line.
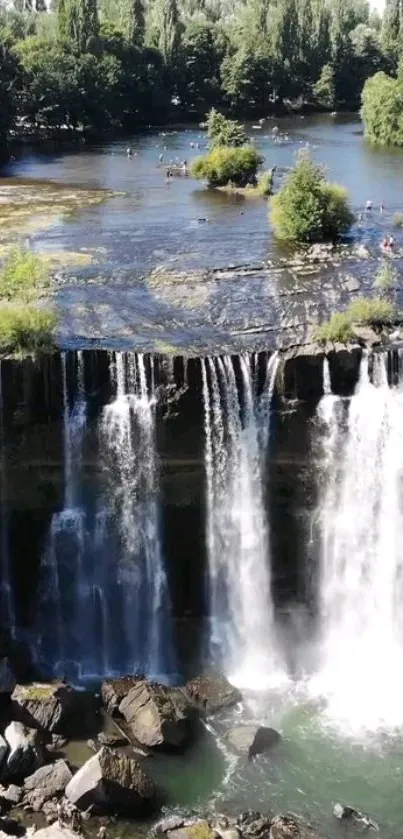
[118, 63]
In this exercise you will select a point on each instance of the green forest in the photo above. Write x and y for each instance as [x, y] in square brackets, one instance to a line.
[99, 65]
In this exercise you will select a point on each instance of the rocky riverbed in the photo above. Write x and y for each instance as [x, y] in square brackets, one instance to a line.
[40, 786]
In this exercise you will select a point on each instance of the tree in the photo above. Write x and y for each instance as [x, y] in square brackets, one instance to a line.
[224, 132]
[78, 22]
[225, 165]
[382, 110]
[9, 78]
[324, 89]
[391, 27]
[136, 23]
[308, 208]
[169, 30]
[201, 57]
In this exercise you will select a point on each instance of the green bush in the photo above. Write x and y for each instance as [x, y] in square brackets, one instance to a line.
[337, 329]
[24, 276]
[371, 310]
[265, 183]
[386, 277]
[398, 219]
[308, 208]
[224, 165]
[26, 328]
[374, 311]
[224, 132]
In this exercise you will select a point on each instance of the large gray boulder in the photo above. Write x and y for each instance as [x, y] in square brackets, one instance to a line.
[211, 693]
[114, 690]
[253, 740]
[158, 716]
[47, 782]
[53, 707]
[26, 751]
[111, 782]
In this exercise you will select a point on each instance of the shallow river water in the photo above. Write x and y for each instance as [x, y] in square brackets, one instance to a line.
[150, 224]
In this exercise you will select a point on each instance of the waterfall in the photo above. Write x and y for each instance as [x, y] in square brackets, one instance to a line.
[241, 635]
[105, 603]
[361, 573]
[128, 433]
[7, 609]
[64, 625]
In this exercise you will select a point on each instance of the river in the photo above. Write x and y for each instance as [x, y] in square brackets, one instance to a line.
[182, 226]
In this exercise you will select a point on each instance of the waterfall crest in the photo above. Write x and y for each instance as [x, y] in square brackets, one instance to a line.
[241, 635]
[361, 561]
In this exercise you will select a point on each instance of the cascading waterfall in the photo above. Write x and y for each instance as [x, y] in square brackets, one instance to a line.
[64, 626]
[105, 606]
[242, 635]
[361, 576]
[128, 432]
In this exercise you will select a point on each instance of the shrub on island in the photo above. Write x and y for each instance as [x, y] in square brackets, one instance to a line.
[308, 208]
[226, 165]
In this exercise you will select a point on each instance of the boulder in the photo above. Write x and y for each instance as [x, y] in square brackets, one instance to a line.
[287, 827]
[53, 707]
[55, 831]
[199, 829]
[7, 678]
[114, 690]
[158, 716]
[110, 781]
[11, 827]
[343, 811]
[47, 782]
[12, 794]
[256, 827]
[252, 740]
[211, 693]
[114, 741]
[3, 750]
[170, 823]
[26, 753]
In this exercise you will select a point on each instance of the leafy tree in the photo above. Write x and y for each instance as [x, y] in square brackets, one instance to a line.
[78, 22]
[309, 209]
[224, 132]
[324, 89]
[170, 30]
[201, 59]
[391, 27]
[382, 110]
[136, 23]
[9, 81]
[226, 165]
